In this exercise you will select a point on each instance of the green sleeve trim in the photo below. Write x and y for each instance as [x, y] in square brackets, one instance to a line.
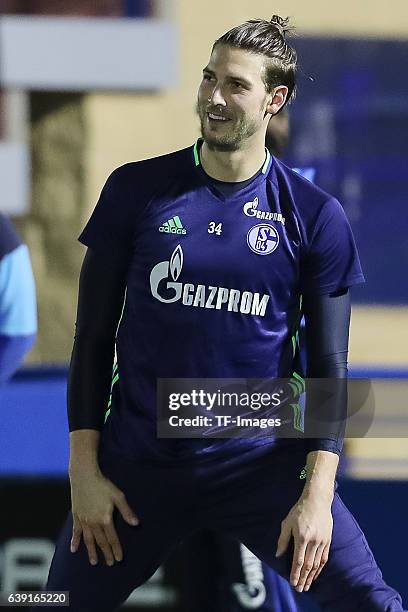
[300, 380]
[294, 344]
[297, 382]
[297, 417]
[115, 378]
[295, 336]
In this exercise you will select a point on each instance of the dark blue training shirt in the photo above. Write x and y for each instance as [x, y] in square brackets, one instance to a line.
[215, 279]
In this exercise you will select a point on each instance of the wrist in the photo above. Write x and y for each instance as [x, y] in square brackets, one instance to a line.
[319, 492]
[321, 468]
[79, 467]
[83, 457]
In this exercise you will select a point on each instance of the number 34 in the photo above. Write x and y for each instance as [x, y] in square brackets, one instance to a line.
[213, 228]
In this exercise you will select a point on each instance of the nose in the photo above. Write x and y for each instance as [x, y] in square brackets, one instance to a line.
[216, 97]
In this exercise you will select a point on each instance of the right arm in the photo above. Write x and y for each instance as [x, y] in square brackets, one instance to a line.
[102, 287]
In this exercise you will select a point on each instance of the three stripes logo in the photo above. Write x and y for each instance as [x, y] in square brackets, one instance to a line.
[173, 226]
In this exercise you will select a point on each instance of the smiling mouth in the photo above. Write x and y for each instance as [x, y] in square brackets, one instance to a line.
[214, 117]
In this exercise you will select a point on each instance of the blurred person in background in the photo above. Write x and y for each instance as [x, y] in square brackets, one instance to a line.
[130, 488]
[18, 308]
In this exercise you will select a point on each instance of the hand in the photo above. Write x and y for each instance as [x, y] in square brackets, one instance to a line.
[93, 500]
[310, 523]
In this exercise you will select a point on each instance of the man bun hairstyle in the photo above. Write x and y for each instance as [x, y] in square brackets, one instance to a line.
[267, 38]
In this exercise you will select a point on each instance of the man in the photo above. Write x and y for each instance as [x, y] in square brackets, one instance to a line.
[219, 573]
[214, 245]
[18, 309]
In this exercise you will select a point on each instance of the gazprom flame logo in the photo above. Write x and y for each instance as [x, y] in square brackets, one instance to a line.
[160, 273]
[176, 262]
[251, 210]
[165, 287]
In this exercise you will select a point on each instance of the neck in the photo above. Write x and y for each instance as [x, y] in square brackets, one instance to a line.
[233, 166]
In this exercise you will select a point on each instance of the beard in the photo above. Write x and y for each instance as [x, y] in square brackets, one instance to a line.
[233, 134]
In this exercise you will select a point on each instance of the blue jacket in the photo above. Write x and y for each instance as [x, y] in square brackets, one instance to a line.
[18, 309]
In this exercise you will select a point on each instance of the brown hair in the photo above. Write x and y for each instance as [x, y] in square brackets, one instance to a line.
[267, 38]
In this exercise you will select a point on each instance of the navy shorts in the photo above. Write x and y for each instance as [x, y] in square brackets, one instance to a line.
[244, 496]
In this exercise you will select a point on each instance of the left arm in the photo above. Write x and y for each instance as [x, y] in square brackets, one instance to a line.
[310, 520]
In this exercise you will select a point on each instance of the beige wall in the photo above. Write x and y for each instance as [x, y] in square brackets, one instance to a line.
[379, 336]
[131, 126]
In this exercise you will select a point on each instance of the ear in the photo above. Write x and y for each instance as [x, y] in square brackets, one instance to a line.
[277, 99]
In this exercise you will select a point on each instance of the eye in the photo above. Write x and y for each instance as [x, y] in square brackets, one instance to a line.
[207, 77]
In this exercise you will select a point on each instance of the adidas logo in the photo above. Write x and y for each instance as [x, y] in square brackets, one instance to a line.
[173, 226]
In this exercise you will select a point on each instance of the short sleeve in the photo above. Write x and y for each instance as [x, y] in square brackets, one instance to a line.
[111, 225]
[331, 260]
